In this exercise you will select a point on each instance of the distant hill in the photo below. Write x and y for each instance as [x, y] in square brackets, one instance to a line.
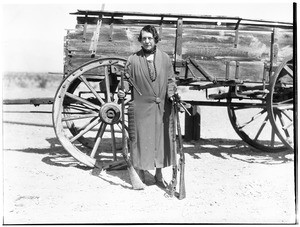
[31, 79]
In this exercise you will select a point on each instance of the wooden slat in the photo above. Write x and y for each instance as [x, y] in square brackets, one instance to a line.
[210, 17]
[188, 23]
[178, 42]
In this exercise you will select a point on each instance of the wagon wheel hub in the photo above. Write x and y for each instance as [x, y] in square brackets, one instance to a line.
[110, 113]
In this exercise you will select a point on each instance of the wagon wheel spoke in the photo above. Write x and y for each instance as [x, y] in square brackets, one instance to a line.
[287, 115]
[98, 138]
[252, 123]
[253, 118]
[85, 130]
[88, 107]
[277, 104]
[280, 102]
[77, 113]
[288, 126]
[81, 108]
[283, 125]
[126, 128]
[126, 101]
[78, 105]
[84, 101]
[86, 124]
[261, 127]
[84, 80]
[289, 71]
[120, 126]
[72, 118]
[113, 141]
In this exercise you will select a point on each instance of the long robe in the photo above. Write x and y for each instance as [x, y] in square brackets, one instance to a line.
[152, 147]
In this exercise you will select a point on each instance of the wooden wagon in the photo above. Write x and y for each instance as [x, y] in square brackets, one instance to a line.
[244, 65]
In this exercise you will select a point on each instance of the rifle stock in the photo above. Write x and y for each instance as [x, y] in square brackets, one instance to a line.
[136, 182]
[134, 177]
[182, 193]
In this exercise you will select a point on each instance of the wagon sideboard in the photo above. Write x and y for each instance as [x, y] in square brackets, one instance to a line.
[212, 41]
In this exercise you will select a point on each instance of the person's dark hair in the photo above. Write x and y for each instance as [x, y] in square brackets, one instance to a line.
[151, 29]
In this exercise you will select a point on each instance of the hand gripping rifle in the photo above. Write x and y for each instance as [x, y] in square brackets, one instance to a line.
[134, 177]
[172, 187]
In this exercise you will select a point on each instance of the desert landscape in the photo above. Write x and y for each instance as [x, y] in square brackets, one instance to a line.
[227, 182]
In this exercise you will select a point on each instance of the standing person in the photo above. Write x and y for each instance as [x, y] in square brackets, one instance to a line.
[151, 70]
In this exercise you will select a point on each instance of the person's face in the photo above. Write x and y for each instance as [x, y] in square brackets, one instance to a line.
[147, 40]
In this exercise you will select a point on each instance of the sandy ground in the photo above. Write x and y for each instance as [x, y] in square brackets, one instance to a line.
[226, 181]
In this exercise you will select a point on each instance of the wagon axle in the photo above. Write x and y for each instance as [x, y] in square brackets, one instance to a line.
[110, 113]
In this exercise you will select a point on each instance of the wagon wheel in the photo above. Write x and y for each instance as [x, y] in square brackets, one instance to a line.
[252, 123]
[86, 112]
[280, 102]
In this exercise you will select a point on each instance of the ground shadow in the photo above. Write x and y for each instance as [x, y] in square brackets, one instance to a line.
[235, 149]
[222, 148]
[56, 155]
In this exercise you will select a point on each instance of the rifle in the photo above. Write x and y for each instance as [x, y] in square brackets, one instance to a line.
[176, 103]
[134, 177]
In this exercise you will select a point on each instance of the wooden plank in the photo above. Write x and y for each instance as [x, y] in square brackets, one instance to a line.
[95, 38]
[139, 14]
[188, 24]
[178, 43]
[85, 27]
[111, 29]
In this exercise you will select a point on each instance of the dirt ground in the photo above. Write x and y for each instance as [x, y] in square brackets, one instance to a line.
[226, 181]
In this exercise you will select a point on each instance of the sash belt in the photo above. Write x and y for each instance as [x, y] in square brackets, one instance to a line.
[155, 99]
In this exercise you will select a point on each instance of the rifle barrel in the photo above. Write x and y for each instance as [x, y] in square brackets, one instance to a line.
[182, 193]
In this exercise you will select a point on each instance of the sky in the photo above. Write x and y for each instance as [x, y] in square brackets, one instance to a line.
[33, 31]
